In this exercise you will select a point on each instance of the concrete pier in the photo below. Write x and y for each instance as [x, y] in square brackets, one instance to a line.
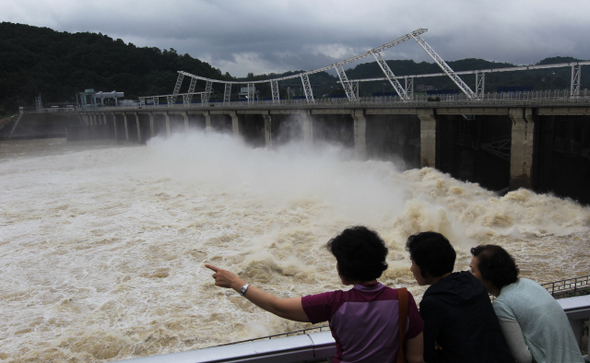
[126, 125]
[138, 127]
[521, 152]
[306, 127]
[427, 137]
[235, 123]
[267, 131]
[360, 128]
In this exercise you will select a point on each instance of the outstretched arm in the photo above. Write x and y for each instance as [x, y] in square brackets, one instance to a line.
[285, 308]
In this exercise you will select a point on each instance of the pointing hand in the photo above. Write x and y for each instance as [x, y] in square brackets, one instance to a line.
[225, 278]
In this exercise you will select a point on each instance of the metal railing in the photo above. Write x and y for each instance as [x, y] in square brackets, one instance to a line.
[316, 329]
[69, 108]
[573, 286]
[524, 98]
[547, 98]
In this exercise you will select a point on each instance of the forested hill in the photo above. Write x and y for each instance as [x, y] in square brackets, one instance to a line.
[57, 65]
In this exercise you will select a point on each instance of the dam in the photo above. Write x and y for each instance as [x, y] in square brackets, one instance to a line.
[105, 236]
[544, 147]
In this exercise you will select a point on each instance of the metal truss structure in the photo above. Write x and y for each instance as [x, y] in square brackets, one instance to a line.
[350, 87]
[390, 76]
[499, 147]
[480, 80]
[480, 75]
[575, 81]
[445, 67]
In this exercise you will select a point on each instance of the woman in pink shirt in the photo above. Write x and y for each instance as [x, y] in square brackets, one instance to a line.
[363, 320]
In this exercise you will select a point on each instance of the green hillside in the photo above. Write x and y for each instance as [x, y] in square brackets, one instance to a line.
[56, 65]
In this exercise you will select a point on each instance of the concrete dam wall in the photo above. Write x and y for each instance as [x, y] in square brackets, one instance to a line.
[542, 149]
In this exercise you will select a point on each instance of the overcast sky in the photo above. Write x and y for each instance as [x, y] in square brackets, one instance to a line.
[273, 36]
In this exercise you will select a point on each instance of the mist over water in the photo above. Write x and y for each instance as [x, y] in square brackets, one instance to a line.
[102, 244]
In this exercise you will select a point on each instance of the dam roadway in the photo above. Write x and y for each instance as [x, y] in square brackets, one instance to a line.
[537, 142]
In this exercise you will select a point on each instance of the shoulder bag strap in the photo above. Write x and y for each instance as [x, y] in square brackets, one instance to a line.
[402, 297]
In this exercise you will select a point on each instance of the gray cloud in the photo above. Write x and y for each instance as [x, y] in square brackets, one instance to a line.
[265, 36]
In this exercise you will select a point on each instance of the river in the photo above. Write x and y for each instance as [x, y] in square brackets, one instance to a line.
[102, 243]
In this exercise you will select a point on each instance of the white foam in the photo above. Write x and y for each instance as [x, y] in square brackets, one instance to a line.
[103, 245]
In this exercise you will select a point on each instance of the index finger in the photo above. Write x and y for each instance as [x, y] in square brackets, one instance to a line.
[211, 267]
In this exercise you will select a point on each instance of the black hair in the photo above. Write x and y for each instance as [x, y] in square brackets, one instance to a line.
[360, 253]
[432, 252]
[495, 265]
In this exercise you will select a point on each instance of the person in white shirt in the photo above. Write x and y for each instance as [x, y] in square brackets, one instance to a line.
[534, 324]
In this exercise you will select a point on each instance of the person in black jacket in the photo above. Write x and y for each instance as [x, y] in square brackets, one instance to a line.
[459, 322]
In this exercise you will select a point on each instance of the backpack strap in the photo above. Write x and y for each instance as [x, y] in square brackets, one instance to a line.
[402, 298]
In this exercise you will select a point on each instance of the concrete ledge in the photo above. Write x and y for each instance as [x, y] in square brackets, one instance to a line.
[577, 310]
[332, 111]
[577, 307]
[391, 111]
[563, 111]
[313, 347]
[497, 111]
[299, 348]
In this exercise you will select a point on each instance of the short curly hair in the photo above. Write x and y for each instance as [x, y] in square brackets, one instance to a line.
[360, 253]
[495, 265]
[432, 252]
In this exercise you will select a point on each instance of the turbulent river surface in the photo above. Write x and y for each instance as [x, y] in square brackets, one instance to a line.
[103, 243]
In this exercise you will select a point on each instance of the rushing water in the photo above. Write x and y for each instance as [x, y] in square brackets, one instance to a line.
[102, 244]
